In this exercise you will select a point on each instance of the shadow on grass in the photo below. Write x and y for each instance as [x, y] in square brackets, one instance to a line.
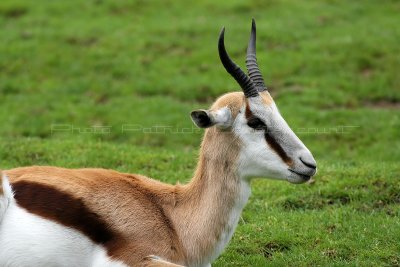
[13, 12]
[273, 247]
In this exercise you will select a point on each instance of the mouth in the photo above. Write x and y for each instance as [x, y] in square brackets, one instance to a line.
[305, 177]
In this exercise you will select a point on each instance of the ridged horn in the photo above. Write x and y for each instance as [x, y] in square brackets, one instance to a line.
[234, 70]
[251, 61]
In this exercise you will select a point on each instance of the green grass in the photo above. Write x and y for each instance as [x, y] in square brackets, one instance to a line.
[144, 63]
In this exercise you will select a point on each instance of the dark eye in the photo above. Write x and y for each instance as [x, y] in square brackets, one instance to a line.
[256, 123]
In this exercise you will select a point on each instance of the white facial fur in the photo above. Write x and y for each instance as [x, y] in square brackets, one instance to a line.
[258, 158]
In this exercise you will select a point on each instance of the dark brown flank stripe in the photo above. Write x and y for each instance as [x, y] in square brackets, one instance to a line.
[271, 140]
[52, 204]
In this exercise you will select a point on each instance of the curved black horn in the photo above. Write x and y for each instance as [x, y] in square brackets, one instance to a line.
[234, 70]
[251, 61]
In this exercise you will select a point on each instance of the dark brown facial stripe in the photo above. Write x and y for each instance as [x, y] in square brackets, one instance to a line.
[248, 114]
[277, 148]
[270, 139]
[52, 204]
[1, 183]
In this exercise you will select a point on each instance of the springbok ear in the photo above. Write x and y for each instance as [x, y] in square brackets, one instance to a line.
[201, 118]
[207, 118]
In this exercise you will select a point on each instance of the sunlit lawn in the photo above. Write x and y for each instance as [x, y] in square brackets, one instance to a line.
[81, 81]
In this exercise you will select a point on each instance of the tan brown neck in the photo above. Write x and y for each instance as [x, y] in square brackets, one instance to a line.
[204, 206]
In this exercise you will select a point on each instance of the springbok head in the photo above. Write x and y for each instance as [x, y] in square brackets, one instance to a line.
[269, 148]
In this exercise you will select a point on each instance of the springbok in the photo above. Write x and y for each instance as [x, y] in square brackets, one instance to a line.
[52, 216]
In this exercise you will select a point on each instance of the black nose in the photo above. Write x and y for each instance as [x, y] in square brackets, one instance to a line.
[309, 164]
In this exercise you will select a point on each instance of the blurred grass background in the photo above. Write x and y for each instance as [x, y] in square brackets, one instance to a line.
[67, 67]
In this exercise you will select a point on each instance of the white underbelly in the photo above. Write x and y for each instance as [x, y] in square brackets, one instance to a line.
[29, 240]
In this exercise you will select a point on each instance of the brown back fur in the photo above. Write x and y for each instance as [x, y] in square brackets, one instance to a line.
[144, 217]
